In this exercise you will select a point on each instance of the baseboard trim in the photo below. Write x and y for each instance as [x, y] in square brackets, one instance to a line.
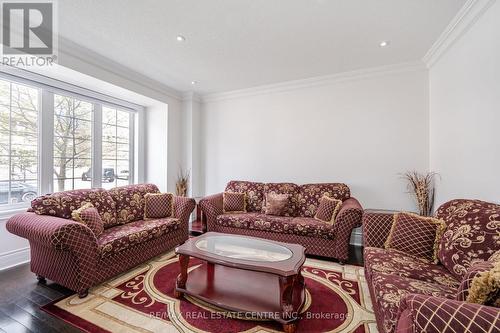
[14, 258]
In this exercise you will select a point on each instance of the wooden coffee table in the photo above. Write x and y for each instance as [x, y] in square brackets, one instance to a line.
[247, 275]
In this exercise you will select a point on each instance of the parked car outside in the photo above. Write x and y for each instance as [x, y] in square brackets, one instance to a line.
[19, 192]
[108, 175]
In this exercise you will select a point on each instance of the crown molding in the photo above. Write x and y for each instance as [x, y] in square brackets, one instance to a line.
[459, 25]
[316, 81]
[191, 96]
[89, 57]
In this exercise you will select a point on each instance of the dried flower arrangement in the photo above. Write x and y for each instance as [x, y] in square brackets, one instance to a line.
[422, 187]
[181, 186]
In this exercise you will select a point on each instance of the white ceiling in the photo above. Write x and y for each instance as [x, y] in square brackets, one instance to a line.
[236, 44]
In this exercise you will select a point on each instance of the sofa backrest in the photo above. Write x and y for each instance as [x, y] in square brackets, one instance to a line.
[130, 201]
[471, 234]
[311, 193]
[62, 204]
[253, 190]
[304, 199]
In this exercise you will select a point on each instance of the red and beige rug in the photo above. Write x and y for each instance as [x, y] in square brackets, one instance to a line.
[142, 300]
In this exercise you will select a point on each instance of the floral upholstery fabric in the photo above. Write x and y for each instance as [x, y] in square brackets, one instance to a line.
[391, 261]
[472, 233]
[62, 204]
[389, 290]
[130, 201]
[424, 233]
[291, 189]
[88, 215]
[328, 209]
[158, 205]
[279, 224]
[253, 190]
[234, 202]
[122, 237]
[310, 195]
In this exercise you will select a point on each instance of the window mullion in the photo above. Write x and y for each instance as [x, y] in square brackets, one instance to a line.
[97, 146]
[46, 142]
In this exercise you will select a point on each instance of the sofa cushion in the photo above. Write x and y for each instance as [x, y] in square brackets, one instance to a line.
[391, 261]
[276, 204]
[234, 202]
[389, 290]
[281, 224]
[88, 215]
[121, 237]
[471, 234]
[158, 205]
[310, 194]
[328, 209]
[130, 201]
[285, 188]
[424, 233]
[253, 190]
[62, 204]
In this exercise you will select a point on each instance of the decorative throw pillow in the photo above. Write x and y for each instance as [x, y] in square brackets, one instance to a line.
[234, 202]
[328, 209]
[416, 235]
[158, 205]
[88, 215]
[485, 287]
[475, 270]
[276, 204]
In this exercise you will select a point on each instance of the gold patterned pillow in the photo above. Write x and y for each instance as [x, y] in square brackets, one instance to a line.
[485, 287]
[88, 215]
[276, 204]
[416, 235]
[328, 209]
[234, 202]
[158, 205]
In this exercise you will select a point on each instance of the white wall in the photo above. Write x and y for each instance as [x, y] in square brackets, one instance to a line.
[465, 113]
[363, 131]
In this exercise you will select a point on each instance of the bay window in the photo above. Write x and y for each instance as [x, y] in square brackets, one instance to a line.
[89, 143]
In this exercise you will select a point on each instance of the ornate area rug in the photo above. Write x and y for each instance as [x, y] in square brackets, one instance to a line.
[142, 300]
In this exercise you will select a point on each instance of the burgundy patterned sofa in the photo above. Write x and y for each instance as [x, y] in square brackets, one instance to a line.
[298, 226]
[410, 294]
[70, 254]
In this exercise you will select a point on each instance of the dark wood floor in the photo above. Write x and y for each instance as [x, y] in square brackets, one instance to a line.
[21, 297]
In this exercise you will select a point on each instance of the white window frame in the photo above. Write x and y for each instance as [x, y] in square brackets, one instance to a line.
[48, 87]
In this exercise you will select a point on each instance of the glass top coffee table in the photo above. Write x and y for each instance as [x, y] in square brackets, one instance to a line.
[247, 275]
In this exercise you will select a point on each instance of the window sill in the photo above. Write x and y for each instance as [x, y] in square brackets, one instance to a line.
[9, 212]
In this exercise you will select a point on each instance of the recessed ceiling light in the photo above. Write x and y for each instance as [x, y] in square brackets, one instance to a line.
[180, 38]
[194, 82]
[384, 43]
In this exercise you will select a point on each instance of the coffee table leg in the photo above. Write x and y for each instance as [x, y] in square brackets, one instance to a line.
[286, 294]
[182, 277]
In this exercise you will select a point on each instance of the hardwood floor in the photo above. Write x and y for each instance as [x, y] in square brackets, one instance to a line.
[21, 297]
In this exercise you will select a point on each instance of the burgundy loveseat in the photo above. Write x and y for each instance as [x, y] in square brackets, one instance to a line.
[70, 254]
[410, 294]
[299, 226]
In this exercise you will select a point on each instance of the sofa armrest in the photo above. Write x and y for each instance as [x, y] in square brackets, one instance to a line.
[183, 207]
[376, 227]
[423, 313]
[55, 232]
[348, 218]
[211, 206]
